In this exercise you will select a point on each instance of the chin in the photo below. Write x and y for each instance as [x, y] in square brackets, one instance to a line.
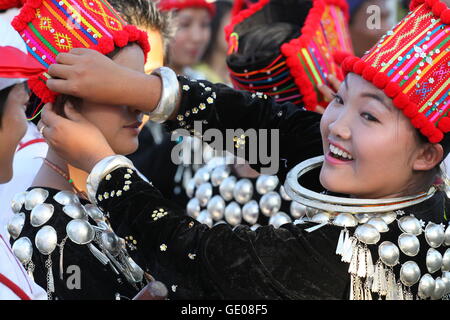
[6, 175]
[333, 183]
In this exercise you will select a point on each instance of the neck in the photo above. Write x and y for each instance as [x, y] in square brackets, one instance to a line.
[48, 177]
[217, 61]
[178, 69]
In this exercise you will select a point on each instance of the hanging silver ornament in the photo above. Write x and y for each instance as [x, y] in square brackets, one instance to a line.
[367, 234]
[410, 224]
[205, 218]
[409, 273]
[447, 236]
[23, 249]
[389, 253]
[298, 210]
[266, 183]
[278, 219]
[75, 211]
[94, 212]
[18, 201]
[216, 207]
[66, 197]
[204, 193]
[136, 272]
[363, 217]
[80, 231]
[201, 176]
[255, 226]
[409, 244]
[388, 217]
[35, 197]
[233, 213]
[46, 240]
[379, 224]
[446, 260]
[41, 213]
[426, 286]
[284, 195]
[219, 174]
[321, 217]
[345, 220]
[433, 260]
[446, 279]
[250, 212]
[434, 235]
[110, 241]
[15, 224]
[439, 289]
[193, 208]
[190, 188]
[270, 203]
[243, 191]
[226, 188]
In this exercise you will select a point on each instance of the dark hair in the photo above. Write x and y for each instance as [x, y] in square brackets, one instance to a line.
[3, 97]
[223, 7]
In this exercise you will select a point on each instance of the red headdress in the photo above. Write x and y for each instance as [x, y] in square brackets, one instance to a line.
[301, 64]
[50, 27]
[166, 5]
[411, 64]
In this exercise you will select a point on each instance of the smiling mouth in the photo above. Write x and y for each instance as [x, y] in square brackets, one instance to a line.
[339, 154]
[134, 125]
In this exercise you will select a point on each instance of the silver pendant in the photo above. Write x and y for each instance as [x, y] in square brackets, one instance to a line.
[379, 224]
[447, 236]
[446, 279]
[363, 217]
[219, 174]
[426, 286]
[23, 250]
[190, 188]
[439, 289]
[46, 240]
[266, 183]
[35, 197]
[409, 244]
[284, 195]
[388, 217]
[389, 253]
[66, 197]
[270, 203]
[75, 211]
[345, 220]
[433, 260]
[216, 207]
[278, 219]
[226, 188]
[201, 176]
[446, 260]
[410, 224]
[94, 212]
[298, 210]
[110, 241]
[205, 218]
[367, 234]
[204, 193]
[321, 217]
[193, 208]
[80, 231]
[233, 213]
[136, 272]
[15, 224]
[18, 201]
[243, 191]
[434, 235]
[41, 213]
[409, 273]
[250, 212]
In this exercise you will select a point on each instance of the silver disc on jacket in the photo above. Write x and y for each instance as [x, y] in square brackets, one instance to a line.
[409, 273]
[389, 253]
[426, 286]
[243, 191]
[15, 224]
[233, 213]
[80, 231]
[434, 235]
[226, 188]
[35, 197]
[205, 218]
[278, 219]
[266, 183]
[410, 224]
[66, 197]
[18, 201]
[433, 260]
[46, 240]
[193, 208]
[409, 244]
[216, 207]
[270, 203]
[250, 212]
[298, 210]
[41, 213]
[204, 193]
[23, 249]
[75, 211]
[367, 234]
[219, 174]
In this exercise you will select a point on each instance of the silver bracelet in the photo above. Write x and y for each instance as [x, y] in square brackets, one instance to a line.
[170, 95]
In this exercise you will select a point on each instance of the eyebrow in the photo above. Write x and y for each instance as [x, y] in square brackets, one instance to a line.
[378, 98]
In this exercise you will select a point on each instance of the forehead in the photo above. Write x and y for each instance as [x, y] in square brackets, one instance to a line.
[192, 13]
[131, 57]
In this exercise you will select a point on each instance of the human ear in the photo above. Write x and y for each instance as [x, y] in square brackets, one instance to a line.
[428, 157]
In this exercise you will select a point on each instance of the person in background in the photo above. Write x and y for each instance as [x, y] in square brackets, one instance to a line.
[192, 20]
[213, 64]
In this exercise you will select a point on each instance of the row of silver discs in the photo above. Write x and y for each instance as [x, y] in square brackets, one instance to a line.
[78, 230]
[208, 208]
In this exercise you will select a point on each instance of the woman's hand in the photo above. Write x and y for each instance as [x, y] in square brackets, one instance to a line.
[329, 92]
[75, 139]
[90, 75]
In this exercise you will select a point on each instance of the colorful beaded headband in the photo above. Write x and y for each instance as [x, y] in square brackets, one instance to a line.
[302, 64]
[166, 5]
[50, 27]
[411, 64]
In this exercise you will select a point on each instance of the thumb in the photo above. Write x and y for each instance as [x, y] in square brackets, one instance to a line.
[72, 113]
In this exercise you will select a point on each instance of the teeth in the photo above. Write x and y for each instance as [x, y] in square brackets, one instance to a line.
[335, 150]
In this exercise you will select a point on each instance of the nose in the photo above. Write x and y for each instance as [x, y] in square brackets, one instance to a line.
[340, 127]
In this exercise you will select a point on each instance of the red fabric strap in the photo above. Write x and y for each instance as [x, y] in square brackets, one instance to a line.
[14, 287]
[28, 143]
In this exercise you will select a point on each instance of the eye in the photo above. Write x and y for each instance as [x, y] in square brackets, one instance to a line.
[369, 117]
[338, 99]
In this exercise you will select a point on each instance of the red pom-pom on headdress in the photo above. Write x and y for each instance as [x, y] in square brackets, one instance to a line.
[444, 124]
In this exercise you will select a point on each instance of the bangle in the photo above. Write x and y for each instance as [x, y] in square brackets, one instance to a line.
[170, 95]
